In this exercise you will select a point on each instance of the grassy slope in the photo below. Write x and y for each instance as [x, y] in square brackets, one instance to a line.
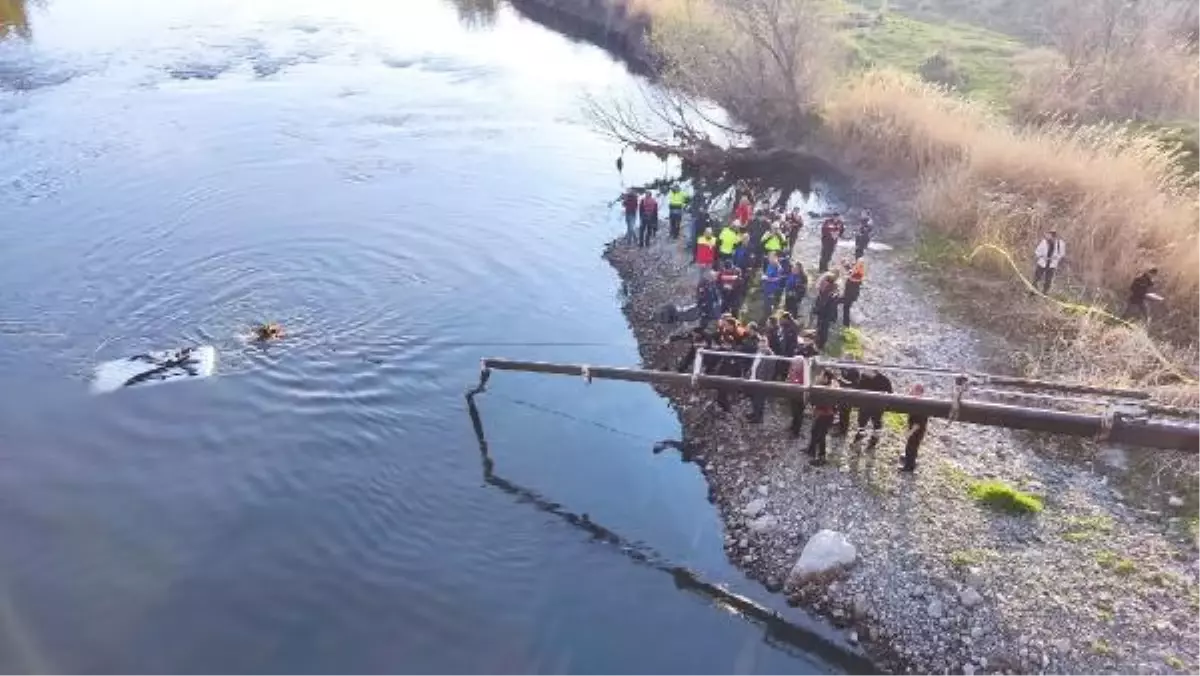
[983, 56]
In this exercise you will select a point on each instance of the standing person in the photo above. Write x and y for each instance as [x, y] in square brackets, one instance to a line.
[831, 232]
[772, 283]
[822, 421]
[795, 376]
[743, 211]
[773, 241]
[630, 202]
[649, 215]
[729, 281]
[1049, 252]
[871, 381]
[1141, 287]
[708, 298]
[862, 238]
[700, 220]
[760, 370]
[792, 226]
[727, 243]
[795, 286]
[848, 378]
[916, 433]
[676, 200]
[741, 254]
[854, 281]
[706, 249]
[825, 306]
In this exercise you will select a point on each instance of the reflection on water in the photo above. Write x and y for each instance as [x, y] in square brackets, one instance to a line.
[14, 20]
[476, 13]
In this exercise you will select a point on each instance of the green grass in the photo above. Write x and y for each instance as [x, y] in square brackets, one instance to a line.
[983, 57]
[965, 558]
[1083, 529]
[1002, 497]
[846, 342]
[896, 423]
[1175, 663]
[937, 251]
[1110, 561]
[1101, 647]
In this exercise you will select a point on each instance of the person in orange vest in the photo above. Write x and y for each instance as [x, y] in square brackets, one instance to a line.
[706, 249]
[854, 282]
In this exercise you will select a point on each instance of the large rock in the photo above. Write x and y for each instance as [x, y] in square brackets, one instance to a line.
[970, 598]
[762, 524]
[755, 507]
[825, 553]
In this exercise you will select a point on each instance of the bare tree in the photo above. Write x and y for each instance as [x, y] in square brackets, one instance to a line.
[1119, 58]
[767, 62]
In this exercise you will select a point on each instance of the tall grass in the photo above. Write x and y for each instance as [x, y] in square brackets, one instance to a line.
[1118, 198]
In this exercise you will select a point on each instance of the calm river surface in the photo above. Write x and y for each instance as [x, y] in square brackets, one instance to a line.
[407, 186]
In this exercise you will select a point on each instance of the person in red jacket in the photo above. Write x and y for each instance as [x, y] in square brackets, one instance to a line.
[831, 232]
[706, 249]
[743, 212]
[649, 223]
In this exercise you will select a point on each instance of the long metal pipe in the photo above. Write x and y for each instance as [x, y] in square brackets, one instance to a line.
[1115, 428]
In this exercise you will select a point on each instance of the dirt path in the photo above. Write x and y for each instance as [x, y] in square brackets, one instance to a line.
[942, 583]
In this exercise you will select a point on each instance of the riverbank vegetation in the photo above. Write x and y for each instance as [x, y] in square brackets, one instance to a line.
[992, 139]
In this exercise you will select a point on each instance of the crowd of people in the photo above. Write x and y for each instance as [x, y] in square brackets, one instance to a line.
[767, 338]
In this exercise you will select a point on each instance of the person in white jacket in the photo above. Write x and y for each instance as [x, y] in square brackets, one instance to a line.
[1049, 252]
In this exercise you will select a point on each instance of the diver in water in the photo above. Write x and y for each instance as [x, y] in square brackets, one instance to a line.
[267, 332]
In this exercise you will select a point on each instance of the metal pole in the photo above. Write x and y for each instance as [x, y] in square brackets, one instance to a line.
[1116, 428]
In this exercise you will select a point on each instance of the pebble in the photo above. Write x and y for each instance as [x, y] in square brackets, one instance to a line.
[968, 669]
[970, 598]
[934, 609]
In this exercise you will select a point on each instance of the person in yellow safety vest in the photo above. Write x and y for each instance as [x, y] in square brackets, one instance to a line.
[854, 281]
[728, 241]
[676, 200]
[773, 240]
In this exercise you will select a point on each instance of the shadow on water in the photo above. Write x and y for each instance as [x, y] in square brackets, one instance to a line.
[778, 633]
[476, 13]
[14, 19]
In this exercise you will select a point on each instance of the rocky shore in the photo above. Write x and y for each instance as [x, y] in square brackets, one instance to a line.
[939, 582]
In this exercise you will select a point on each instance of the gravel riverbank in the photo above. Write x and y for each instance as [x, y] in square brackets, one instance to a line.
[941, 582]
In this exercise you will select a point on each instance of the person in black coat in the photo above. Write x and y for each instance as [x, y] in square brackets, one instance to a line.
[916, 434]
[872, 381]
[847, 379]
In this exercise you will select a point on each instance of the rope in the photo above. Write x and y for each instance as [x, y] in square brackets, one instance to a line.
[574, 418]
[1083, 309]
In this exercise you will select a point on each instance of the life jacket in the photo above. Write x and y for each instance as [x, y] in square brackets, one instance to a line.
[706, 248]
[858, 272]
[676, 198]
[649, 205]
[729, 240]
[743, 212]
[728, 279]
[831, 229]
[772, 241]
[630, 202]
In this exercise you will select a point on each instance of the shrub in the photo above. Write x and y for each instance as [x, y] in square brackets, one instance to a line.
[1000, 496]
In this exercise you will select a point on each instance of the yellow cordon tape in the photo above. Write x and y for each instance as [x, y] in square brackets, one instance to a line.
[1084, 309]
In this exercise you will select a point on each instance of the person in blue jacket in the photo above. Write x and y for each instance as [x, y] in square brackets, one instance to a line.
[795, 286]
[772, 283]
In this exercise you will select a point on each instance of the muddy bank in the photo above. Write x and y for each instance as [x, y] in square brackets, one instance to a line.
[608, 24]
[941, 583]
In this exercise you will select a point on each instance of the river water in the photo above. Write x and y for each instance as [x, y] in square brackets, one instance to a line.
[406, 186]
